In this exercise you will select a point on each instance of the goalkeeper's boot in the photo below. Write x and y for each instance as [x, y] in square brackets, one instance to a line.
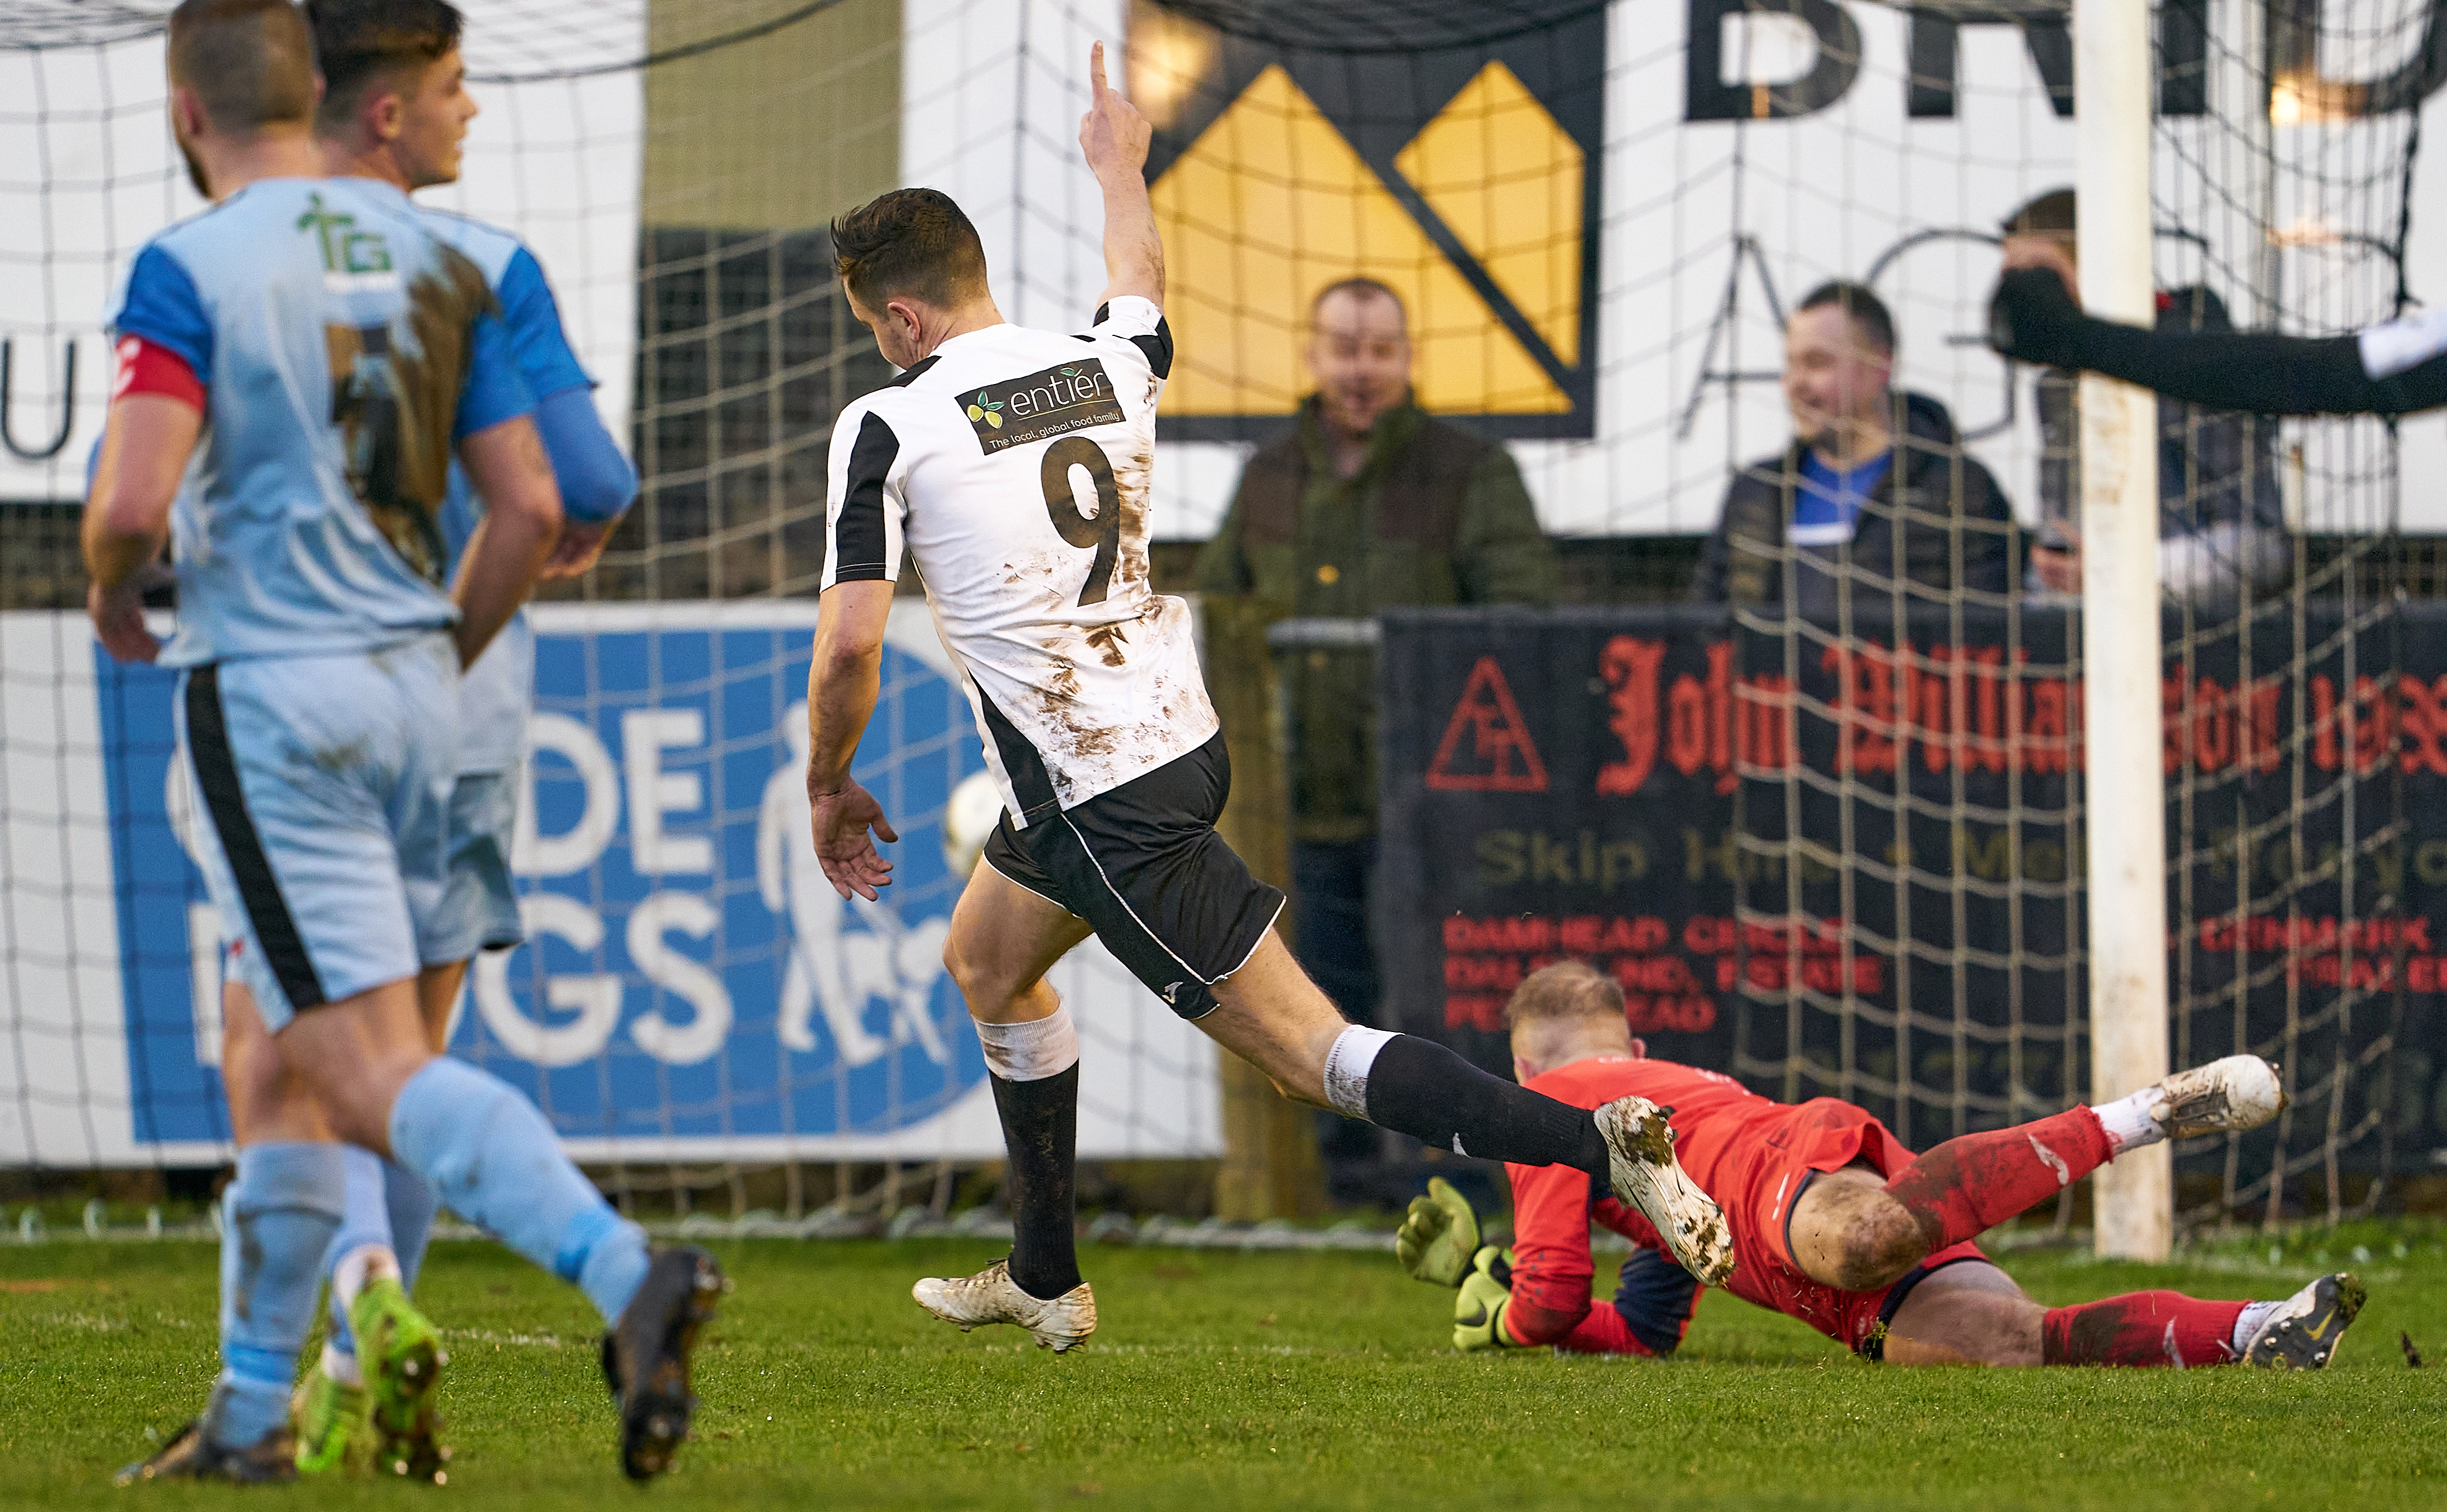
[1648, 1176]
[400, 1353]
[191, 1456]
[2307, 1329]
[992, 1297]
[2239, 1092]
[646, 1356]
[329, 1422]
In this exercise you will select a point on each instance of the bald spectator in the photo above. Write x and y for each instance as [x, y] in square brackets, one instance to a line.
[1366, 504]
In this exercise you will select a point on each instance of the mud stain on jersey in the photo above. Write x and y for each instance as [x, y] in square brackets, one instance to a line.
[1065, 687]
[1109, 640]
[1132, 482]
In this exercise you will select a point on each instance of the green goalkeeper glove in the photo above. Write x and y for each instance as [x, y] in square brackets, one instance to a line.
[1439, 1236]
[1478, 1312]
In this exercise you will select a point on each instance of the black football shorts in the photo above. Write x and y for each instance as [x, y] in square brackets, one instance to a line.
[1142, 863]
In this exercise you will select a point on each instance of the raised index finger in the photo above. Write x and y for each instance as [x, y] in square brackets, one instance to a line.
[1096, 70]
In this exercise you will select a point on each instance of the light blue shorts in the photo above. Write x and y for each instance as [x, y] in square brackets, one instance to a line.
[323, 787]
[481, 906]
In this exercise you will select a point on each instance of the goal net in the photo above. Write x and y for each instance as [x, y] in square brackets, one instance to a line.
[1828, 832]
[695, 1006]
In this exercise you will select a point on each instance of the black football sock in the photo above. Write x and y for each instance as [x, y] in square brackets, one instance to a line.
[1040, 1136]
[1418, 1088]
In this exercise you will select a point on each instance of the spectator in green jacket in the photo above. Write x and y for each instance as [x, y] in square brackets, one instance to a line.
[1366, 504]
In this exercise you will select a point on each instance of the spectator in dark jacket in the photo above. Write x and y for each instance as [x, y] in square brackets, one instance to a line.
[2221, 516]
[1875, 496]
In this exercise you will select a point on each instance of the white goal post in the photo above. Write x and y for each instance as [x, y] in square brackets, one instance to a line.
[2126, 843]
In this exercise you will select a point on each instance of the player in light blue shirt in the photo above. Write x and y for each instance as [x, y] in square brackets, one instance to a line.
[297, 366]
[395, 110]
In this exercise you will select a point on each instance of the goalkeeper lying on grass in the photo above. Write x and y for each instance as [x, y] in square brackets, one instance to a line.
[1834, 1223]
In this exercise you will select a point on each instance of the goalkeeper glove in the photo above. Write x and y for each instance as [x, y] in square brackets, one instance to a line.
[1439, 1236]
[1478, 1312]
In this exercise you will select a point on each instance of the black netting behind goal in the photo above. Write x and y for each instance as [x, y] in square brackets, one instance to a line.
[1828, 829]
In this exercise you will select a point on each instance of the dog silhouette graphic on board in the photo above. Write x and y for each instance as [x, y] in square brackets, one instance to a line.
[833, 966]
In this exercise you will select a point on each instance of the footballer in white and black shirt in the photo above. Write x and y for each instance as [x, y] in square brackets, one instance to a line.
[1012, 466]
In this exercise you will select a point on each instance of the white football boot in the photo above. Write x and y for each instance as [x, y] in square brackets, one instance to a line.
[992, 1297]
[2305, 1331]
[1648, 1175]
[2239, 1092]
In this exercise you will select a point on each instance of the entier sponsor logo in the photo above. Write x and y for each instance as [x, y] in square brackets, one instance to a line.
[1042, 406]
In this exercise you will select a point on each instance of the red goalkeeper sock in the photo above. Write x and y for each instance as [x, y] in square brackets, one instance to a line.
[2141, 1328]
[1966, 1187]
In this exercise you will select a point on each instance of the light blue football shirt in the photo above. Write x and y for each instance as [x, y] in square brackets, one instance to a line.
[498, 693]
[345, 350]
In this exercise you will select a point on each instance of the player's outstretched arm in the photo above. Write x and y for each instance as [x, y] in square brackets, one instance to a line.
[145, 444]
[2034, 318]
[505, 462]
[843, 681]
[1114, 138]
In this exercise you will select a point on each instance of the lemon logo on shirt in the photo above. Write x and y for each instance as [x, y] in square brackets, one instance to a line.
[1068, 397]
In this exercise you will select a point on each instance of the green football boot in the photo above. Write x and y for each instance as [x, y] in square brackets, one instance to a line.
[400, 1353]
[329, 1422]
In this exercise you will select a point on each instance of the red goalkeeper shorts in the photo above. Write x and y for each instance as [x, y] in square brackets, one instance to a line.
[1778, 1161]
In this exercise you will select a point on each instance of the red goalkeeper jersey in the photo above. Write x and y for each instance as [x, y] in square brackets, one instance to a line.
[1750, 1154]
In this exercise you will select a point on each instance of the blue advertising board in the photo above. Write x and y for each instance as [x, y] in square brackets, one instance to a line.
[689, 979]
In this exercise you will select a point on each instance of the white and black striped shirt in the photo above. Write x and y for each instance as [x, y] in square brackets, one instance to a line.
[1014, 465]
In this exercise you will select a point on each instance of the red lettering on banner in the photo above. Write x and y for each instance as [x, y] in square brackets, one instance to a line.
[1720, 713]
[2050, 738]
[1864, 702]
[2425, 722]
[1762, 706]
[1630, 669]
[1988, 747]
[2324, 723]
[2266, 749]
[2374, 723]
[2213, 739]
[2173, 738]
[1500, 738]
[1686, 725]
[1937, 708]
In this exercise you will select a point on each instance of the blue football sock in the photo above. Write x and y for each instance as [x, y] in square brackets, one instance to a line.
[276, 1221]
[412, 1206]
[493, 1160]
[364, 1219]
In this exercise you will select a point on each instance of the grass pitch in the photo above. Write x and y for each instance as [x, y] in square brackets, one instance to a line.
[1263, 1380]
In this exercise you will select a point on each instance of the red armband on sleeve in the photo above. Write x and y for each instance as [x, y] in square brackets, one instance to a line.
[149, 367]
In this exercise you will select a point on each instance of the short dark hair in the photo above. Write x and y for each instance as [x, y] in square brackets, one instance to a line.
[361, 43]
[2049, 215]
[251, 62]
[1364, 288]
[1563, 989]
[911, 242]
[1869, 311]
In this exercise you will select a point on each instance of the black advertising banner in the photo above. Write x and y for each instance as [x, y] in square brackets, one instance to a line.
[1854, 868]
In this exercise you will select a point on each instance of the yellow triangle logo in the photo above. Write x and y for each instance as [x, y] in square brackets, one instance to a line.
[1269, 205]
[1498, 170]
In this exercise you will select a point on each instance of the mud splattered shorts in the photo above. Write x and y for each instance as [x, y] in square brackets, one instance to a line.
[1143, 864]
[481, 906]
[321, 815]
[1807, 1141]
